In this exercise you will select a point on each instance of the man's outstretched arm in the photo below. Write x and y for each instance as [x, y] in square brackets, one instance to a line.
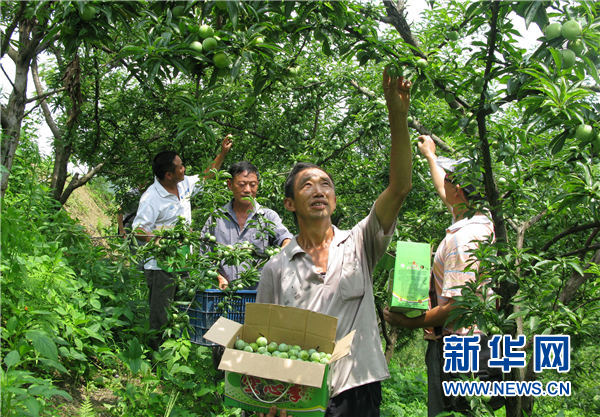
[218, 162]
[397, 97]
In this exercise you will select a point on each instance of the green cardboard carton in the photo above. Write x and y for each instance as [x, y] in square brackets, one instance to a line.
[254, 382]
[409, 281]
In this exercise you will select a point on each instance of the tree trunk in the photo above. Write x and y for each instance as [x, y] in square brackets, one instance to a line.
[30, 36]
[62, 153]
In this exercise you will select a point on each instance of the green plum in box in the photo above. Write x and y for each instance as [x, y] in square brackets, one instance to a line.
[409, 281]
[254, 382]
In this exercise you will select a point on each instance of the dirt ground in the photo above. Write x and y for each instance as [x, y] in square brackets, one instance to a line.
[84, 399]
[92, 216]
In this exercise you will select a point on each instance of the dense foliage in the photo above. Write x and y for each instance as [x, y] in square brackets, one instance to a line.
[300, 82]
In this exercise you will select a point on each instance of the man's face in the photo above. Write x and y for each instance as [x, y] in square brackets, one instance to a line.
[178, 173]
[314, 195]
[243, 185]
[453, 192]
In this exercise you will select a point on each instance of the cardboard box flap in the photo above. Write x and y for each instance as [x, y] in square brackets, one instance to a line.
[290, 325]
[223, 331]
[286, 370]
[342, 346]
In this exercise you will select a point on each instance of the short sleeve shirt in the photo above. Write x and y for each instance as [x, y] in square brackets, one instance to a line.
[159, 208]
[290, 278]
[453, 264]
[225, 228]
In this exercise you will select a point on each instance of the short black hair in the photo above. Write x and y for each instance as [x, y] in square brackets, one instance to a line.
[241, 167]
[163, 163]
[291, 178]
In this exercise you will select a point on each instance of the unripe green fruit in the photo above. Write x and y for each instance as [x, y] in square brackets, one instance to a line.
[240, 344]
[262, 341]
[209, 44]
[254, 346]
[315, 357]
[571, 30]
[248, 348]
[196, 46]
[568, 58]
[453, 35]
[221, 60]
[421, 63]
[89, 12]
[584, 133]
[272, 347]
[259, 40]
[576, 46]
[552, 31]
[205, 31]
[177, 11]
[283, 347]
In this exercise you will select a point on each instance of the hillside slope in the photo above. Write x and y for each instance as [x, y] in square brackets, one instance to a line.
[94, 214]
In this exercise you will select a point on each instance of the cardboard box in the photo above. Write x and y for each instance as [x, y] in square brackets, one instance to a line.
[254, 382]
[409, 281]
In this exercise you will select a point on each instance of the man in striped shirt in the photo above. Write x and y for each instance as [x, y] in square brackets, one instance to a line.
[453, 266]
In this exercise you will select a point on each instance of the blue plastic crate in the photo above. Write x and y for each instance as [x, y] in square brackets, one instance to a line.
[205, 311]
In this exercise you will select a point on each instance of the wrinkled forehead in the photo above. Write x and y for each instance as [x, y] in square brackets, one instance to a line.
[311, 174]
[245, 176]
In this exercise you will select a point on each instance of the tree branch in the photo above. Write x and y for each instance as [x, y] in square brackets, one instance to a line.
[526, 225]
[45, 95]
[45, 109]
[569, 231]
[576, 281]
[581, 251]
[77, 182]
[7, 34]
[396, 15]
[7, 77]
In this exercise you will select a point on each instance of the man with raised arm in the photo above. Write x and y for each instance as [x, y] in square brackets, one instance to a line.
[453, 266]
[328, 270]
[161, 205]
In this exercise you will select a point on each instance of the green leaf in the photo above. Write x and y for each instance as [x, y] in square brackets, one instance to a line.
[12, 358]
[94, 302]
[32, 405]
[54, 364]
[516, 314]
[11, 325]
[176, 369]
[232, 8]
[43, 344]
[576, 267]
[557, 143]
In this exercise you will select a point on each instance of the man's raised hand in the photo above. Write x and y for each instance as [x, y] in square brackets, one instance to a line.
[397, 93]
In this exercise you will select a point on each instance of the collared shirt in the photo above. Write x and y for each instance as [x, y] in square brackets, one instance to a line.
[290, 278]
[159, 208]
[224, 226]
[454, 264]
